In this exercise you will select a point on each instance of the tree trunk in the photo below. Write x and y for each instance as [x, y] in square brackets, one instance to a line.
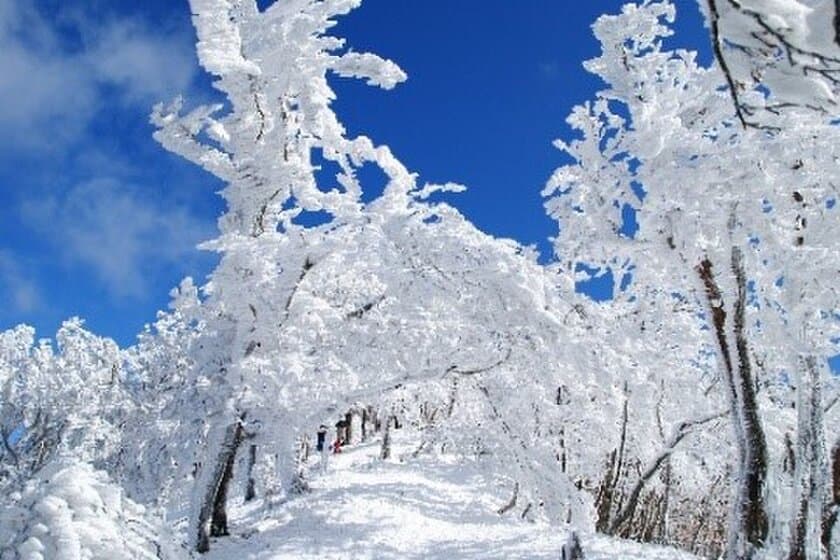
[832, 510]
[348, 418]
[212, 501]
[562, 455]
[664, 518]
[512, 502]
[365, 418]
[219, 521]
[572, 549]
[386, 440]
[749, 528]
[604, 500]
[805, 529]
[299, 484]
[250, 483]
[607, 497]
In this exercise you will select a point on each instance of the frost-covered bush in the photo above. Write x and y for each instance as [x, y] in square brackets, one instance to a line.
[72, 512]
[68, 397]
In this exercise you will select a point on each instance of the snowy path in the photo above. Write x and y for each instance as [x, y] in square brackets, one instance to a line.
[368, 509]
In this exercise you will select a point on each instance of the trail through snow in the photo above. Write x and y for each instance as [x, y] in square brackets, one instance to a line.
[364, 508]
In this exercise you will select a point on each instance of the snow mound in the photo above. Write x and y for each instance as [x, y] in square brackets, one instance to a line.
[72, 512]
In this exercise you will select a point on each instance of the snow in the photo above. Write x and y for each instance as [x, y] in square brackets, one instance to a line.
[427, 507]
[73, 512]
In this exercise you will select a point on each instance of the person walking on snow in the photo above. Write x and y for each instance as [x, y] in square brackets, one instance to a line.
[336, 446]
[322, 447]
[322, 438]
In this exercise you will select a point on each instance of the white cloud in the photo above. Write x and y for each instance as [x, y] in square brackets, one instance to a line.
[145, 67]
[49, 90]
[58, 73]
[39, 90]
[124, 236]
[16, 290]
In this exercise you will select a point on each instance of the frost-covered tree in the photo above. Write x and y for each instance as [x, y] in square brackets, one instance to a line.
[68, 400]
[279, 342]
[664, 450]
[776, 55]
[737, 224]
[272, 67]
[160, 457]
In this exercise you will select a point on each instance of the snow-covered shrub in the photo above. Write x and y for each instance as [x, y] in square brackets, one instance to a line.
[72, 512]
[68, 397]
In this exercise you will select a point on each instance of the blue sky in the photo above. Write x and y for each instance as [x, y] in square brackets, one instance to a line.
[97, 220]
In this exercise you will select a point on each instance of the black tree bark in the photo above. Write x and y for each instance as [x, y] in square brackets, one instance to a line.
[832, 510]
[212, 514]
[250, 482]
[809, 460]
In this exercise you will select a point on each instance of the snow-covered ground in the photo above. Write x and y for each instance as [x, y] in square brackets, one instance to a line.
[364, 508]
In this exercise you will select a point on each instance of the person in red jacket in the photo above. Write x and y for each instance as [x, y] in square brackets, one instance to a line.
[336, 446]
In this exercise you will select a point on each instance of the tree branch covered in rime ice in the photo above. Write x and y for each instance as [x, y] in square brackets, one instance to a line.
[789, 48]
[272, 67]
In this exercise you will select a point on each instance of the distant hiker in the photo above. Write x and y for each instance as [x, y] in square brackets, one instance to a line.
[323, 448]
[341, 430]
[336, 446]
[322, 438]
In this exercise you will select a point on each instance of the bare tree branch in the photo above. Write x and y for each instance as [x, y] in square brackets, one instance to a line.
[717, 48]
[680, 432]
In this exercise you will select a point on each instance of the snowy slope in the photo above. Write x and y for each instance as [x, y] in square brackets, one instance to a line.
[364, 508]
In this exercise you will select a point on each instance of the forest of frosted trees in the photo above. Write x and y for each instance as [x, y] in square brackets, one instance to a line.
[694, 409]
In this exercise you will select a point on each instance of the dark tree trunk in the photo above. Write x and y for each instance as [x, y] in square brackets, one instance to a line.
[348, 418]
[212, 509]
[219, 521]
[606, 501]
[799, 532]
[664, 529]
[386, 440]
[250, 483]
[837, 22]
[572, 549]
[511, 503]
[365, 419]
[562, 458]
[751, 526]
[789, 463]
[832, 510]
[809, 460]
